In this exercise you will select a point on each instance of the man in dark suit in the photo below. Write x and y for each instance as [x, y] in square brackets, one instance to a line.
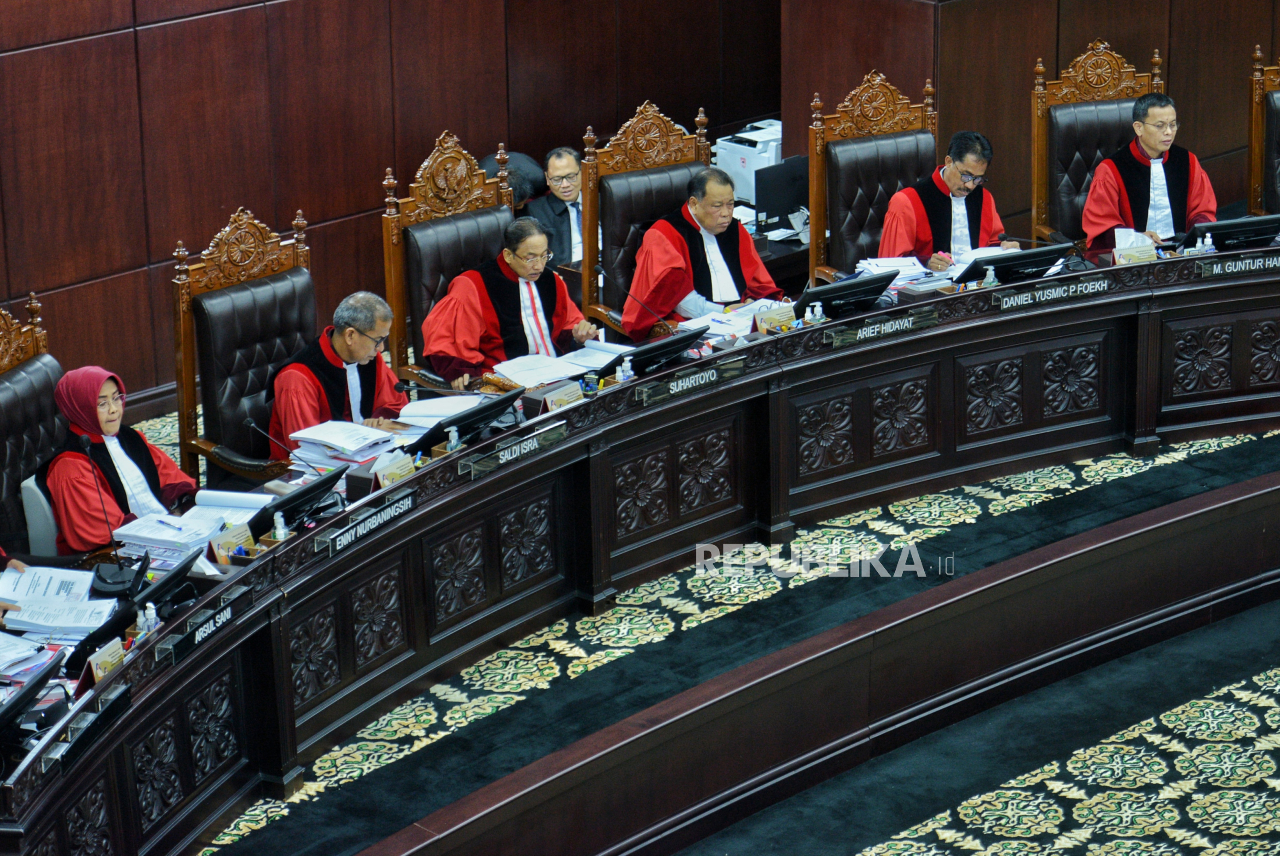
[560, 211]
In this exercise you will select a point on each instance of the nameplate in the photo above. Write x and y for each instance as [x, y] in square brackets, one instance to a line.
[1238, 266]
[203, 626]
[517, 449]
[366, 522]
[689, 381]
[883, 327]
[1056, 293]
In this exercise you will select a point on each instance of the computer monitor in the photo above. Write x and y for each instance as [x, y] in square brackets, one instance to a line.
[847, 296]
[656, 353]
[296, 503]
[469, 422]
[1016, 267]
[780, 190]
[12, 711]
[1247, 233]
[162, 589]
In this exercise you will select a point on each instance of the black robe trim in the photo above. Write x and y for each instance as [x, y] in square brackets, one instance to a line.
[504, 296]
[728, 241]
[1136, 177]
[132, 444]
[333, 380]
[937, 207]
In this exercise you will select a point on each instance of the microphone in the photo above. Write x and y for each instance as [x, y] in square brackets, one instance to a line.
[627, 292]
[87, 444]
[250, 424]
[405, 386]
[1004, 237]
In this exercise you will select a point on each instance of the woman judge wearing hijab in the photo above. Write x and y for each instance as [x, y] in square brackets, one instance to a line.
[106, 473]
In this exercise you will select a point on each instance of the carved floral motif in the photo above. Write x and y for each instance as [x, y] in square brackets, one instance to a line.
[20, 342]
[899, 416]
[1264, 356]
[1070, 380]
[525, 539]
[245, 249]
[313, 649]
[875, 107]
[640, 493]
[450, 182]
[705, 471]
[458, 566]
[211, 723]
[1202, 360]
[155, 769]
[648, 139]
[88, 833]
[826, 435]
[993, 395]
[48, 846]
[1098, 74]
[377, 617]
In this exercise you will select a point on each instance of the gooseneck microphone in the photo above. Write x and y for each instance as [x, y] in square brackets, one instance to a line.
[250, 424]
[87, 444]
[627, 292]
[405, 386]
[1004, 237]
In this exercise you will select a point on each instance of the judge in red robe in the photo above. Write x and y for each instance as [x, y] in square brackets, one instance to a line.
[341, 376]
[96, 488]
[947, 213]
[511, 307]
[695, 261]
[1150, 185]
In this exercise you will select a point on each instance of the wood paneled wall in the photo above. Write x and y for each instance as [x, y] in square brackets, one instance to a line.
[981, 55]
[128, 125]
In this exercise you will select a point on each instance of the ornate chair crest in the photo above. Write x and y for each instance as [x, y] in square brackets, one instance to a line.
[1098, 74]
[244, 250]
[20, 342]
[647, 140]
[449, 182]
[874, 108]
[1263, 79]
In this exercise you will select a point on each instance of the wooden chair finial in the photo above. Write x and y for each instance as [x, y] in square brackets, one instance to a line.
[1039, 74]
[33, 308]
[299, 230]
[389, 185]
[928, 94]
[1156, 83]
[816, 106]
[180, 253]
[589, 140]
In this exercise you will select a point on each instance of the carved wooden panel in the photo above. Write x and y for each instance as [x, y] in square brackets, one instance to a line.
[377, 617]
[449, 181]
[458, 573]
[524, 536]
[313, 649]
[900, 416]
[88, 830]
[211, 724]
[705, 470]
[1264, 353]
[647, 140]
[155, 771]
[1098, 74]
[1071, 380]
[20, 342]
[640, 491]
[245, 249]
[1201, 359]
[825, 435]
[48, 846]
[993, 395]
[875, 107]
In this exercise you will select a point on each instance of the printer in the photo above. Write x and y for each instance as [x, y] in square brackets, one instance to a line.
[757, 145]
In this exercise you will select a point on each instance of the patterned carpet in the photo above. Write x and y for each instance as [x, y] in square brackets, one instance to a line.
[661, 611]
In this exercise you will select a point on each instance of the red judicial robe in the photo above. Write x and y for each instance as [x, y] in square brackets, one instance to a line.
[479, 323]
[672, 262]
[74, 481]
[312, 388]
[1120, 195]
[918, 222]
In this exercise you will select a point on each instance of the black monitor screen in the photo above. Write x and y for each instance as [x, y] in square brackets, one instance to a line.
[1016, 267]
[1247, 233]
[296, 503]
[656, 353]
[469, 422]
[847, 296]
[780, 190]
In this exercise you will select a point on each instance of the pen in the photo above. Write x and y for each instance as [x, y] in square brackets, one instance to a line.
[170, 525]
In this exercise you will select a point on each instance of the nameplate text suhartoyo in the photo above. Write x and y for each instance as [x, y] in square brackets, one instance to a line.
[883, 327]
[1239, 265]
[366, 522]
[689, 380]
[1055, 293]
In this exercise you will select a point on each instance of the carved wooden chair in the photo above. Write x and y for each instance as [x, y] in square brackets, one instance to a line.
[240, 311]
[642, 174]
[451, 221]
[31, 429]
[1264, 136]
[875, 144]
[1075, 123]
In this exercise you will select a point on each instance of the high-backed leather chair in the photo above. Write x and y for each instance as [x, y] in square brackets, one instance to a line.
[875, 144]
[1264, 136]
[31, 428]
[640, 175]
[1075, 123]
[244, 308]
[451, 221]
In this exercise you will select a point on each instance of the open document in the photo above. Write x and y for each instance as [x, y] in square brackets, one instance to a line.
[66, 619]
[36, 583]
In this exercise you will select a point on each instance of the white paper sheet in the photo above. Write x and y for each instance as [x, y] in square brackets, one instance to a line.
[233, 499]
[608, 347]
[45, 584]
[1128, 238]
[589, 358]
[346, 437]
[534, 370]
[49, 615]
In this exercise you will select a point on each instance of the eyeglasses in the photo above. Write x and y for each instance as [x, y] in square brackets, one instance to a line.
[975, 180]
[533, 260]
[378, 341]
[563, 179]
[1163, 126]
[106, 404]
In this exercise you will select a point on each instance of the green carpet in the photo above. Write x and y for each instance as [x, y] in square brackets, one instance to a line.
[550, 689]
[1176, 760]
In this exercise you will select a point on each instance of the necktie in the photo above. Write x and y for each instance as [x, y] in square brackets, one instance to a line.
[577, 214]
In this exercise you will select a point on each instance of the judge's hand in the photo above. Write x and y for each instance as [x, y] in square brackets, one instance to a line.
[583, 331]
[1153, 236]
[380, 424]
[939, 262]
[14, 564]
[460, 383]
[1010, 245]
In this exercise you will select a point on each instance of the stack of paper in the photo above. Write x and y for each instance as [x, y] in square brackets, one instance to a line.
[59, 618]
[332, 444]
[18, 654]
[163, 531]
[36, 583]
[230, 506]
[422, 416]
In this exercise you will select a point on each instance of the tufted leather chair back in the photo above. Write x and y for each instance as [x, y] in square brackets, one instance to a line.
[438, 250]
[862, 175]
[31, 429]
[1080, 136]
[243, 333]
[630, 202]
[1271, 153]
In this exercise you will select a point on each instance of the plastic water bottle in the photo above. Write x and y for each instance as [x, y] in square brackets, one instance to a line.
[625, 372]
